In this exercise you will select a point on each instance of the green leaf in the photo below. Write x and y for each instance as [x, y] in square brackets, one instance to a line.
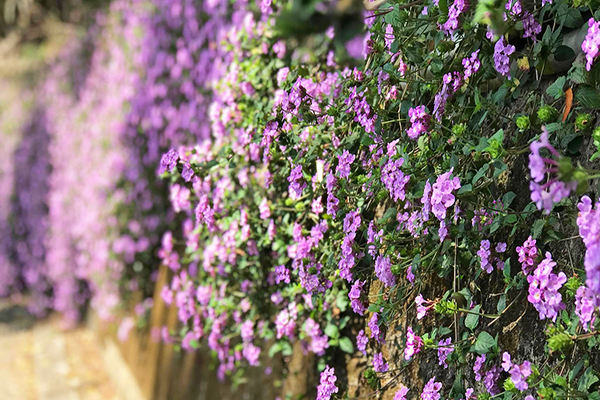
[568, 16]
[556, 89]
[480, 173]
[588, 96]
[485, 342]
[501, 304]
[578, 74]
[537, 228]
[387, 215]
[564, 53]
[276, 348]
[346, 345]
[472, 320]
[465, 189]
[506, 271]
[587, 379]
[332, 331]
[553, 127]
[507, 199]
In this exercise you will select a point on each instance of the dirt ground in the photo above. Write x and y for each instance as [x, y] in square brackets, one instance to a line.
[41, 361]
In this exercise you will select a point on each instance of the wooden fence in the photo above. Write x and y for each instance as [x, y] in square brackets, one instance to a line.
[145, 368]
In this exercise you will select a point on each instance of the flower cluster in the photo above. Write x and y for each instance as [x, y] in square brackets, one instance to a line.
[543, 289]
[589, 230]
[554, 190]
[502, 52]
[419, 120]
[591, 43]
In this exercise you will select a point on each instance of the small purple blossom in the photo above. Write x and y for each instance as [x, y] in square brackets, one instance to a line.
[354, 295]
[442, 196]
[296, 186]
[588, 222]
[401, 394]
[413, 344]
[527, 255]
[471, 64]
[531, 27]
[383, 271]
[477, 367]
[502, 51]
[484, 256]
[361, 342]
[419, 120]
[543, 289]
[519, 375]
[327, 384]
[591, 43]
[394, 179]
[168, 162]
[431, 391]
[378, 364]
[444, 349]
[344, 161]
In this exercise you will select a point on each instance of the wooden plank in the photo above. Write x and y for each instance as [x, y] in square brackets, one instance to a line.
[157, 316]
[166, 358]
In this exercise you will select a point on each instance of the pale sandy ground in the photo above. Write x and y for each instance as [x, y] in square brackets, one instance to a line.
[41, 361]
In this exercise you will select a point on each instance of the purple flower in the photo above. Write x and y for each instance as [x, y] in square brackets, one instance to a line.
[374, 327]
[527, 255]
[394, 179]
[531, 27]
[591, 44]
[352, 221]
[168, 162]
[477, 366]
[344, 161]
[431, 391]
[584, 307]
[187, 174]
[421, 308]
[361, 342]
[389, 36]
[327, 384]
[318, 341]
[543, 289]
[454, 11]
[354, 295]
[247, 331]
[553, 191]
[444, 349]
[384, 272]
[588, 222]
[502, 51]
[519, 375]
[378, 364]
[490, 380]
[251, 353]
[413, 344]
[419, 120]
[401, 394]
[506, 362]
[471, 64]
[500, 247]
[296, 186]
[484, 256]
[283, 274]
[443, 231]
[263, 207]
[442, 197]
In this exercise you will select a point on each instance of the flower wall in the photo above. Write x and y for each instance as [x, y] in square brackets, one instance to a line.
[407, 191]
